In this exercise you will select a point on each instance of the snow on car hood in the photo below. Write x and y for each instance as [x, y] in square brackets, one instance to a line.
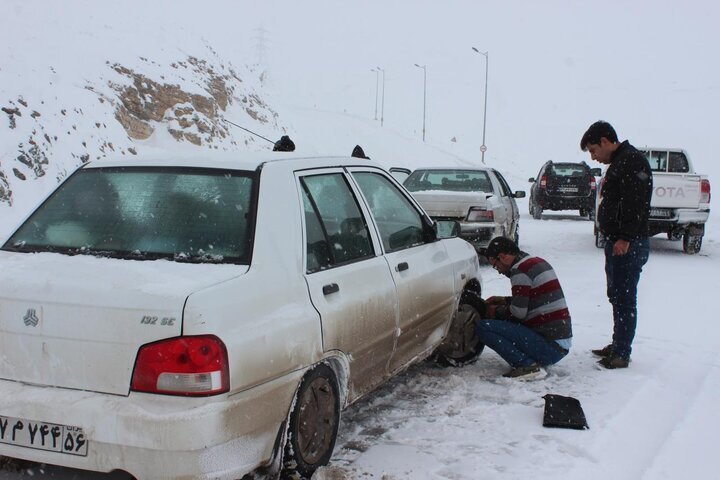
[443, 203]
[78, 321]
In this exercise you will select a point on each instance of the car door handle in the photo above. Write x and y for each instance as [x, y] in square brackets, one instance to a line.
[331, 288]
[402, 266]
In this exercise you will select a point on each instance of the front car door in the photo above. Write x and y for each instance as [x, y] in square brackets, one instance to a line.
[349, 281]
[510, 205]
[419, 264]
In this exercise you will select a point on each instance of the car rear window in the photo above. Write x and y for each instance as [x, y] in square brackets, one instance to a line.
[183, 214]
[449, 180]
[568, 170]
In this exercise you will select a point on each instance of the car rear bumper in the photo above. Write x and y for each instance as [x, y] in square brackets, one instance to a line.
[479, 234]
[154, 437]
[567, 203]
[678, 218]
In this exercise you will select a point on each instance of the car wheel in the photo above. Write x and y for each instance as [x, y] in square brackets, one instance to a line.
[462, 345]
[313, 425]
[692, 243]
[600, 240]
[537, 212]
[583, 212]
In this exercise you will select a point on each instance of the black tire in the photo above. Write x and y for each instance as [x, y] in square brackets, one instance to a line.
[461, 346]
[692, 243]
[537, 212]
[600, 240]
[313, 424]
[584, 212]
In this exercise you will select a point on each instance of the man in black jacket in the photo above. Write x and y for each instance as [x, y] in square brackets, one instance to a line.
[623, 219]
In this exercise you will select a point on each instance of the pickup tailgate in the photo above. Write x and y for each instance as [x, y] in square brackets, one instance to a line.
[675, 190]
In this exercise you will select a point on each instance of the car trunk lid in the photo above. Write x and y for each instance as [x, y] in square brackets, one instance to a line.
[441, 203]
[78, 322]
[568, 186]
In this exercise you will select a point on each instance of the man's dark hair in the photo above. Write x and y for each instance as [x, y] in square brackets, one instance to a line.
[597, 131]
[500, 245]
[284, 145]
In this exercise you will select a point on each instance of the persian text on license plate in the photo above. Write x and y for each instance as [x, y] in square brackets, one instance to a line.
[661, 212]
[43, 436]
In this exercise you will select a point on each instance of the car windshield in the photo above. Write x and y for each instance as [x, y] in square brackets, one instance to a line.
[182, 214]
[568, 170]
[449, 180]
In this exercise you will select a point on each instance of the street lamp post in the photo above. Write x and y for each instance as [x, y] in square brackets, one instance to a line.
[424, 67]
[377, 87]
[382, 102]
[483, 147]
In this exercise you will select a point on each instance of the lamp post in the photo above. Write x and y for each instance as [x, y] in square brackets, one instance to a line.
[377, 87]
[424, 67]
[382, 102]
[483, 147]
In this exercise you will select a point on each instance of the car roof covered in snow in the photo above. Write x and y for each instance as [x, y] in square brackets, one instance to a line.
[248, 161]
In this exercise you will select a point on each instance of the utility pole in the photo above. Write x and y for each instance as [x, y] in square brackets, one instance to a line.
[483, 147]
[382, 103]
[424, 67]
[377, 88]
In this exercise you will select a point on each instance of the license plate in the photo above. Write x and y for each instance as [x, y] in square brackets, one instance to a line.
[43, 436]
[568, 189]
[661, 212]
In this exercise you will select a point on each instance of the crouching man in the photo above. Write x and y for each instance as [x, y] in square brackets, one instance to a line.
[531, 328]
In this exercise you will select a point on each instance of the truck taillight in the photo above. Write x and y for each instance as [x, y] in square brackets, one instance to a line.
[477, 214]
[543, 182]
[186, 366]
[593, 185]
[705, 191]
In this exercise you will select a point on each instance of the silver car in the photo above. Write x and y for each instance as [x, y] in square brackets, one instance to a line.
[479, 199]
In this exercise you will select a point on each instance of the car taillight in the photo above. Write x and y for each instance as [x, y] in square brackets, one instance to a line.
[477, 214]
[543, 182]
[189, 366]
[593, 185]
[705, 191]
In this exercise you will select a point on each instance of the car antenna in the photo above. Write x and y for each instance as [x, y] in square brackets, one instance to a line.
[250, 131]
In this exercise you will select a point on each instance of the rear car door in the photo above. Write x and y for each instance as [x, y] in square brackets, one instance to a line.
[420, 266]
[349, 281]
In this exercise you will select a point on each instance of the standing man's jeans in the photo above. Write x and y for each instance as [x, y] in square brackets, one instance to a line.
[623, 274]
[517, 344]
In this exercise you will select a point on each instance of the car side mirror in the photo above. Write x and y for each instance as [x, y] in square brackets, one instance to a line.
[447, 228]
[519, 194]
[595, 172]
[531, 180]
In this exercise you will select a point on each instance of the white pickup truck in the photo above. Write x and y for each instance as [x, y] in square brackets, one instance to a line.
[680, 203]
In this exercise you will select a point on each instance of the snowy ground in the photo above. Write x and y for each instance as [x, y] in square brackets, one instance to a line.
[655, 420]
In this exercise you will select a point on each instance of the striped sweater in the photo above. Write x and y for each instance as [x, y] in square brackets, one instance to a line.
[537, 298]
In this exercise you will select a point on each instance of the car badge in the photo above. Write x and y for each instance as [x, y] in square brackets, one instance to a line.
[30, 318]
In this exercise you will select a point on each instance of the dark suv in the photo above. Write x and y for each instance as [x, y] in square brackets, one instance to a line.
[564, 186]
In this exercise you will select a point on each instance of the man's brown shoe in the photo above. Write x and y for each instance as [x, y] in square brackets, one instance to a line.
[606, 351]
[613, 361]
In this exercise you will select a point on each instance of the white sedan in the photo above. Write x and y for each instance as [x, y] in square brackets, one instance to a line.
[479, 199]
[208, 316]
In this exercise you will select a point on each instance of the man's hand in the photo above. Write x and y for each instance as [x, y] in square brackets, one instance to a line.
[621, 247]
[495, 301]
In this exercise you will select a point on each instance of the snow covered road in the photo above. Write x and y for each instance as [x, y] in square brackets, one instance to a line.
[655, 420]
